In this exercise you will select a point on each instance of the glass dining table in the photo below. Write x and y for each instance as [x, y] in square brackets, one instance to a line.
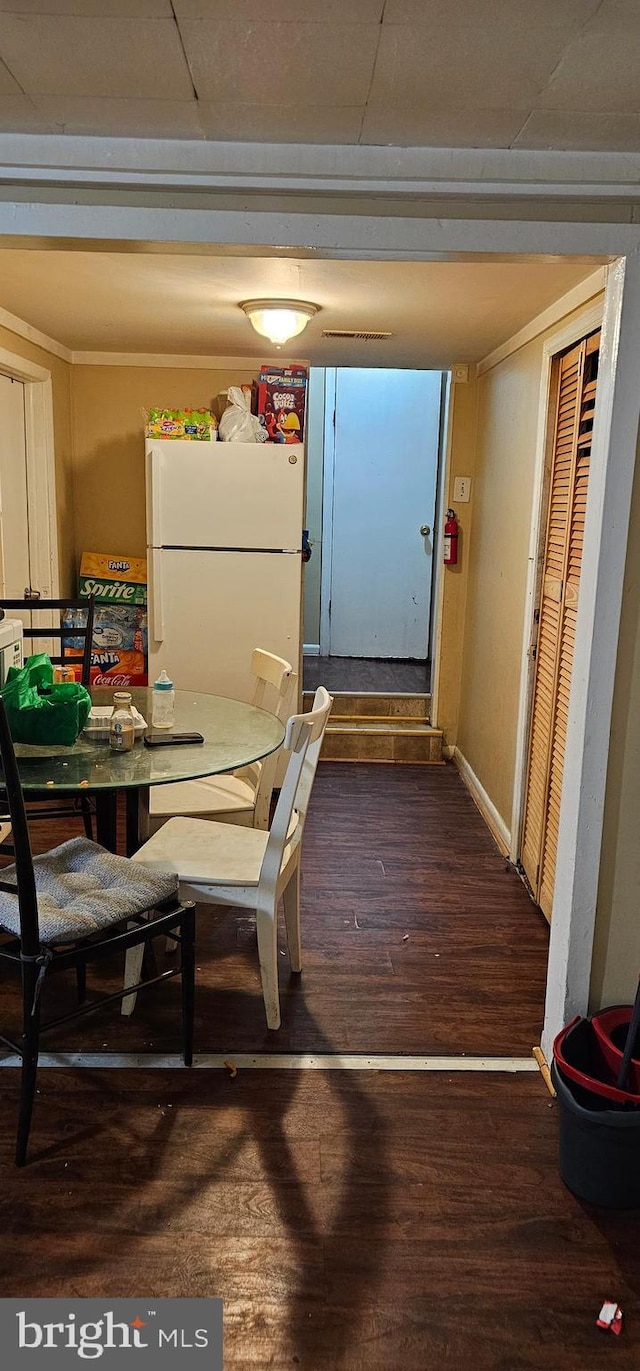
[235, 734]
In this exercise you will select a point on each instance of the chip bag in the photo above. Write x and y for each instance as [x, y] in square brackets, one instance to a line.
[39, 711]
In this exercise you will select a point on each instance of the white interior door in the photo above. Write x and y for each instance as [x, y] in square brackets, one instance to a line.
[14, 505]
[386, 437]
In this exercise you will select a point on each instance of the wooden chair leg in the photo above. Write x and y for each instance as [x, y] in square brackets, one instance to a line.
[291, 902]
[188, 947]
[268, 954]
[30, 1046]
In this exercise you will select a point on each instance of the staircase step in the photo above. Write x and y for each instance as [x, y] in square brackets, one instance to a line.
[380, 728]
[350, 704]
[390, 740]
[341, 723]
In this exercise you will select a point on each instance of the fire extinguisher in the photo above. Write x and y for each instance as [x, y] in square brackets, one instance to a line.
[451, 539]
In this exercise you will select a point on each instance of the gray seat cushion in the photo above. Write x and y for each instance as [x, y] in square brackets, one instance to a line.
[82, 888]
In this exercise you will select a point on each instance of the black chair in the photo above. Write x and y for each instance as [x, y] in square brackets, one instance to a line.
[55, 629]
[53, 928]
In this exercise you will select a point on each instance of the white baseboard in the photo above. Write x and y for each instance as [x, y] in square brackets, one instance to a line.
[311, 650]
[494, 821]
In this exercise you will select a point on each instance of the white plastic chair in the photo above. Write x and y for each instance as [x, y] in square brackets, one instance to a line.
[246, 867]
[244, 796]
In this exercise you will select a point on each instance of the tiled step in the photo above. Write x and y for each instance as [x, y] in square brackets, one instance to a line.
[383, 740]
[380, 728]
[348, 704]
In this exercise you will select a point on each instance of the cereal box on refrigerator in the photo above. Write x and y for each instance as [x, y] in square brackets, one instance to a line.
[119, 584]
[278, 398]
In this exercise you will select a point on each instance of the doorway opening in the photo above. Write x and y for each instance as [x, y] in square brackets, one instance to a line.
[28, 512]
[15, 561]
[455, 584]
[373, 454]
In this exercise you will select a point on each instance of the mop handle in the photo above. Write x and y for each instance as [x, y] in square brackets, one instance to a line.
[630, 1045]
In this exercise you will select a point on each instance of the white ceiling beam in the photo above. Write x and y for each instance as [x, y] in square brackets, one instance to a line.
[186, 164]
[363, 237]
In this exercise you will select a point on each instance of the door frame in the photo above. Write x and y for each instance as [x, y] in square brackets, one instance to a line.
[41, 474]
[495, 205]
[328, 468]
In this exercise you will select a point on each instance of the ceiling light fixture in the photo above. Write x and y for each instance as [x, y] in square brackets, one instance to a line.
[279, 320]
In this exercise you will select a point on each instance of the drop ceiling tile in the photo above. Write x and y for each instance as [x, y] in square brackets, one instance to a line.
[579, 132]
[8, 84]
[122, 118]
[19, 115]
[280, 124]
[63, 55]
[107, 9]
[565, 15]
[467, 129]
[599, 71]
[454, 57]
[280, 63]
[332, 12]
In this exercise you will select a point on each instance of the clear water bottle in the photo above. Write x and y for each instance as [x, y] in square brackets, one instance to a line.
[163, 702]
[122, 724]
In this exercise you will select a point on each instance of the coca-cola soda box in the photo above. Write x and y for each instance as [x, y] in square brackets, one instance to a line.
[278, 398]
[119, 653]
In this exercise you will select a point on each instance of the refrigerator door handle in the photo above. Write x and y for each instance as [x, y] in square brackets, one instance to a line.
[154, 496]
[156, 600]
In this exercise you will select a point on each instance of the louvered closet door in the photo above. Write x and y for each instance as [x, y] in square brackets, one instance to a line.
[557, 615]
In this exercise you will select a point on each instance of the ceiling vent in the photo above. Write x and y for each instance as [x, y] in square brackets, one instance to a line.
[362, 335]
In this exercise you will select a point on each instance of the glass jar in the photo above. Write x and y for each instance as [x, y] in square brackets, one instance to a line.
[122, 725]
[163, 702]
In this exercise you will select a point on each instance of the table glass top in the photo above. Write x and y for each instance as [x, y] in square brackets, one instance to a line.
[235, 734]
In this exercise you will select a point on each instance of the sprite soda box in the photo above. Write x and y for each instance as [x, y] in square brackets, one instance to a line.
[119, 584]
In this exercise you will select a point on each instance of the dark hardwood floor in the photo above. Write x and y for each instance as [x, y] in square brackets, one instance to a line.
[417, 936]
[367, 675]
[350, 1221]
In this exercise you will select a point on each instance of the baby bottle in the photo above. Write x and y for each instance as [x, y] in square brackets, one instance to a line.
[163, 702]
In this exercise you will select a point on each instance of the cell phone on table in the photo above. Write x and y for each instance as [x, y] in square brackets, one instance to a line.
[172, 739]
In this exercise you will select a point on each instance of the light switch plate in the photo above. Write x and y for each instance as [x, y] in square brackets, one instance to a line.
[462, 489]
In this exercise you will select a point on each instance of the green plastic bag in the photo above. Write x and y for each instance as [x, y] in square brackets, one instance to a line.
[39, 711]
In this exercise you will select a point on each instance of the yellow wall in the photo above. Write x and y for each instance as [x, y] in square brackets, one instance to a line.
[508, 401]
[108, 444]
[498, 561]
[61, 385]
[616, 955]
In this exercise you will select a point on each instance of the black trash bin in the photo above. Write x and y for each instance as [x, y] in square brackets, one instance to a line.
[599, 1147]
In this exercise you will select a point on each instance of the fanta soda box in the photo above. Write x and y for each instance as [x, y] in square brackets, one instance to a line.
[119, 584]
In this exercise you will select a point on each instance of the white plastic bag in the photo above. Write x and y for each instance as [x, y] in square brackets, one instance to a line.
[238, 424]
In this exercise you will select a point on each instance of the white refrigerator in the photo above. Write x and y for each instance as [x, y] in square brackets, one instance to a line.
[224, 535]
